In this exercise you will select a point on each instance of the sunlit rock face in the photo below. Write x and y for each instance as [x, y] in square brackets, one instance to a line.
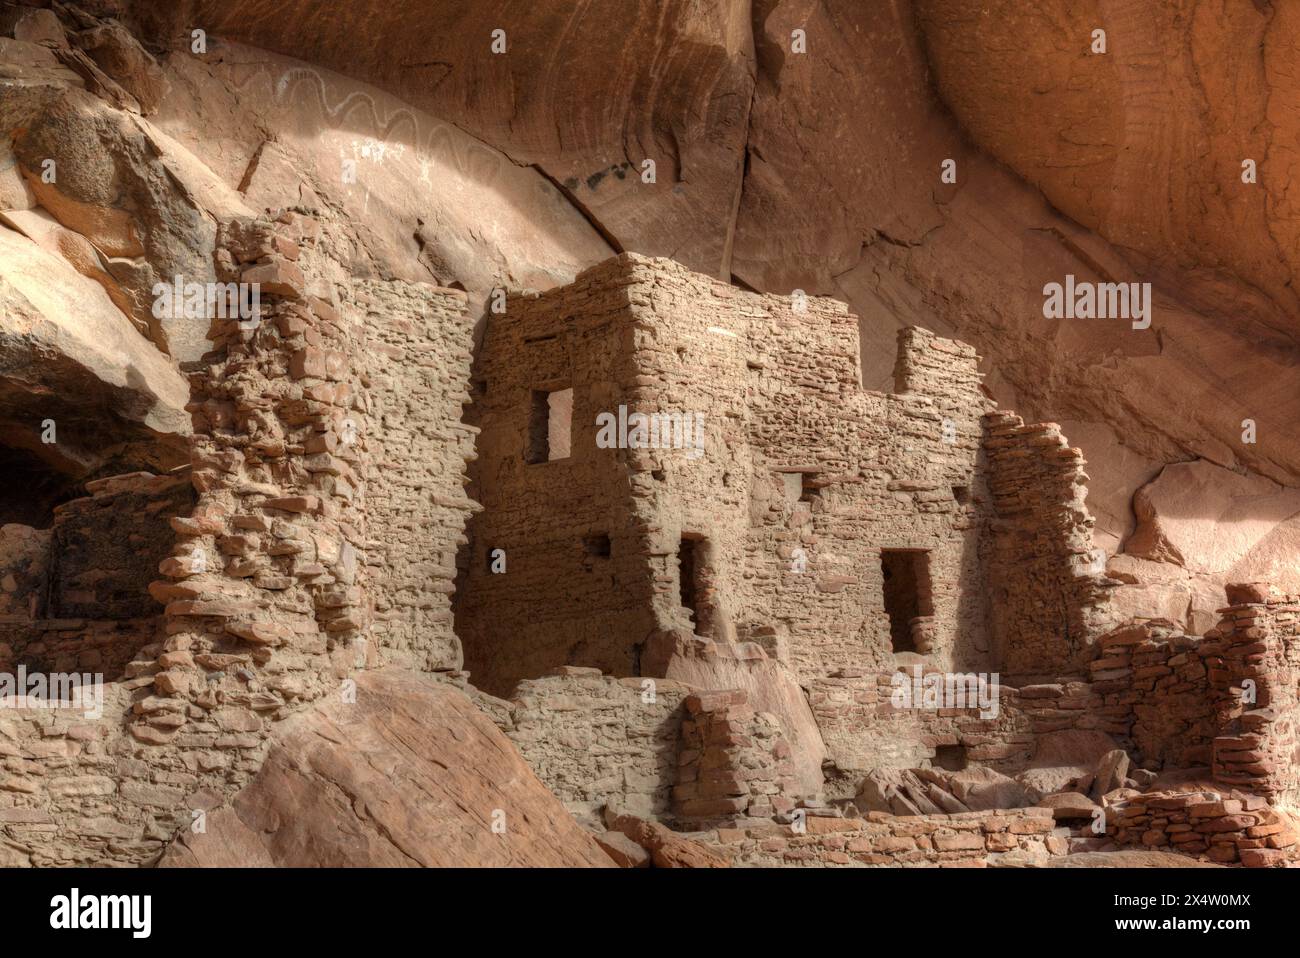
[822, 170]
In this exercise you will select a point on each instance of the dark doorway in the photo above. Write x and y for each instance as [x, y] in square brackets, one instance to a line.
[686, 566]
[809, 487]
[906, 575]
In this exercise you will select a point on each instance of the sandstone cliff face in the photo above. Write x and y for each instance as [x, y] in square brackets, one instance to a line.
[821, 171]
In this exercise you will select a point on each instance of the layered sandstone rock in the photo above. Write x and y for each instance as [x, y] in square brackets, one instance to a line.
[770, 172]
[1201, 527]
[410, 774]
[70, 359]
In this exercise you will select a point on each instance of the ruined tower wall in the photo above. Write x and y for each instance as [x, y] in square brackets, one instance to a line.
[1260, 731]
[270, 598]
[262, 578]
[1048, 593]
[568, 595]
[414, 374]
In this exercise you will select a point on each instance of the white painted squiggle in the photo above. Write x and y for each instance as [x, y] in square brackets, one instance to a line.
[441, 140]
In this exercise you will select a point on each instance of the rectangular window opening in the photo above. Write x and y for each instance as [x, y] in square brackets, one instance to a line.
[692, 573]
[597, 545]
[951, 758]
[810, 487]
[550, 425]
[906, 578]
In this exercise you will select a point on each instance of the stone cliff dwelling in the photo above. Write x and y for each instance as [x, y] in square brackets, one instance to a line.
[638, 563]
[834, 527]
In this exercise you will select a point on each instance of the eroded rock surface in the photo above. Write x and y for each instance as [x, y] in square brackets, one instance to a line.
[411, 774]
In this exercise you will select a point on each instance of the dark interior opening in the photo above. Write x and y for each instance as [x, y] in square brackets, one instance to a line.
[550, 425]
[809, 487]
[951, 758]
[692, 574]
[686, 570]
[961, 494]
[31, 489]
[906, 575]
[597, 545]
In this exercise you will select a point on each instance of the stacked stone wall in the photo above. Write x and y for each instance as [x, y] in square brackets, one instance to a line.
[968, 839]
[594, 739]
[733, 762]
[1048, 595]
[1222, 827]
[1259, 742]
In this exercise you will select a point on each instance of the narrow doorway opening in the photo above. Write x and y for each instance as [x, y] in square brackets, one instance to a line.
[693, 577]
[906, 580]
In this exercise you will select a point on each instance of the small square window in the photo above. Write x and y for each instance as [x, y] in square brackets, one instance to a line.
[950, 758]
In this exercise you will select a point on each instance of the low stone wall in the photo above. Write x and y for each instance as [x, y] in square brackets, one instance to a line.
[1259, 740]
[732, 761]
[863, 730]
[968, 839]
[649, 747]
[106, 546]
[79, 600]
[1164, 697]
[74, 790]
[594, 739]
[1151, 688]
[1233, 828]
